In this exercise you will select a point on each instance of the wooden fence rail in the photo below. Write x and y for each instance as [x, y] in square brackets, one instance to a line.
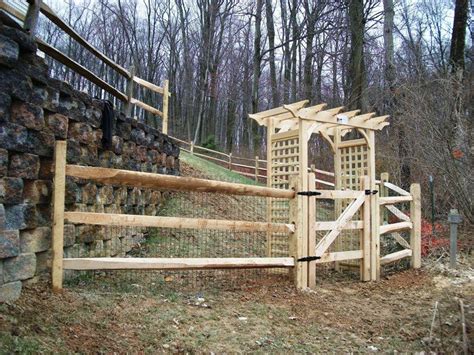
[30, 20]
[257, 169]
[161, 182]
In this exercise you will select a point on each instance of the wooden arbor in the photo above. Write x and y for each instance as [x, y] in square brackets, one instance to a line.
[289, 129]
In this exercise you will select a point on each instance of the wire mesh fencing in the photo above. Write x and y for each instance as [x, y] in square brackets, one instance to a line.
[152, 242]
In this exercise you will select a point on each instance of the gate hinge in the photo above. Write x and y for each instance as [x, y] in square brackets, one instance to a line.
[371, 192]
[308, 258]
[309, 193]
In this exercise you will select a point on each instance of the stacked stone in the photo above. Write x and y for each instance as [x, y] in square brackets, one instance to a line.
[35, 111]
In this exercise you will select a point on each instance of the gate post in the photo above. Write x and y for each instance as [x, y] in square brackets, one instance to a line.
[311, 231]
[298, 240]
[415, 235]
[365, 237]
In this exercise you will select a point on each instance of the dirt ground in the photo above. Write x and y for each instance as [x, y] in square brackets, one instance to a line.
[263, 314]
[341, 316]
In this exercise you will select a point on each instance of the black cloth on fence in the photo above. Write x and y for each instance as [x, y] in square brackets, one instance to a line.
[107, 126]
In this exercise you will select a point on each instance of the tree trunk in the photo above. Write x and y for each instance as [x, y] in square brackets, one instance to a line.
[271, 59]
[357, 68]
[458, 38]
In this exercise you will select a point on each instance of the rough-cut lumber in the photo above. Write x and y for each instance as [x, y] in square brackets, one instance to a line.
[58, 214]
[327, 183]
[337, 194]
[390, 258]
[168, 182]
[329, 225]
[395, 188]
[395, 227]
[165, 107]
[112, 219]
[365, 235]
[394, 199]
[415, 235]
[174, 263]
[86, 73]
[146, 107]
[343, 219]
[340, 255]
[400, 240]
[49, 13]
[399, 214]
[312, 230]
[149, 85]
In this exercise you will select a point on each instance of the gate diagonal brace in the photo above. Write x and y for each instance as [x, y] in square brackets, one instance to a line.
[308, 259]
[309, 193]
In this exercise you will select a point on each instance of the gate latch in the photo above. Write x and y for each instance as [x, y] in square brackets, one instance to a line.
[371, 192]
[308, 258]
[309, 193]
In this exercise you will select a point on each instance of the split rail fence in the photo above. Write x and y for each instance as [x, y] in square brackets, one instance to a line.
[299, 227]
[255, 168]
[160, 182]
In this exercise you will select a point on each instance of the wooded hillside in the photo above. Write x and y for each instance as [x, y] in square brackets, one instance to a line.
[225, 59]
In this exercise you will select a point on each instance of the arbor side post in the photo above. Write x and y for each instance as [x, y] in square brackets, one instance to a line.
[58, 214]
[32, 15]
[384, 177]
[129, 92]
[166, 94]
[415, 234]
[365, 237]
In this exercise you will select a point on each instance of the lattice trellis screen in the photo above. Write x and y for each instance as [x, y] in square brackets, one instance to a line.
[284, 163]
[354, 161]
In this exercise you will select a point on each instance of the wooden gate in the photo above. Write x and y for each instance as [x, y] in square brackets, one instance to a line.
[354, 217]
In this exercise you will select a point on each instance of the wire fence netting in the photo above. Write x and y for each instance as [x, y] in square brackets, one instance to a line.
[141, 242]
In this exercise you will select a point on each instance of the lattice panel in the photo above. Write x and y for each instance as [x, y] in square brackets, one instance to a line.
[354, 164]
[284, 164]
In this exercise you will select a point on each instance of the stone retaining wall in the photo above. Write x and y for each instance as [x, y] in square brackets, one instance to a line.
[35, 111]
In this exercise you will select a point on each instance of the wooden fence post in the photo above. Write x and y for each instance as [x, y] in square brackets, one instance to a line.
[191, 147]
[296, 237]
[415, 234]
[384, 177]
[165, 106]
[129, 92]
[365, 237]
[230, 161]
[31, 18]
[58, 214]
[256, 168]
[312, 230]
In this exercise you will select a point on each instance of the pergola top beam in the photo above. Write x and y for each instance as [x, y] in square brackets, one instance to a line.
[287, 117]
